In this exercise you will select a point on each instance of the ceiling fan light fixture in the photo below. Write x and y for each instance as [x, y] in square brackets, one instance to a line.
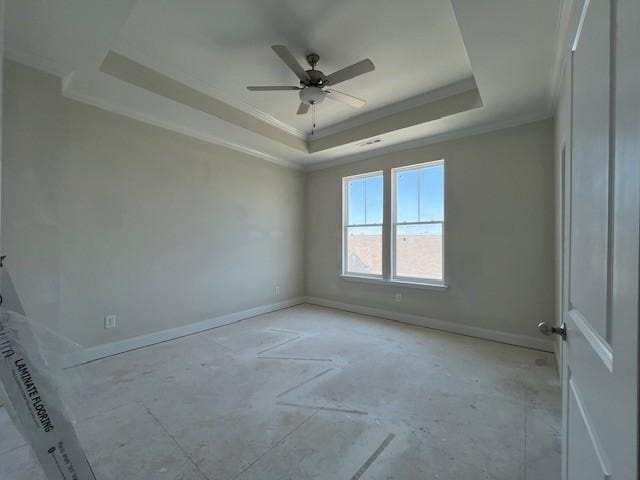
[313, 81]
[312, 95]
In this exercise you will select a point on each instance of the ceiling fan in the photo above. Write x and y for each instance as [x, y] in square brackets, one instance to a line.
[313, 82]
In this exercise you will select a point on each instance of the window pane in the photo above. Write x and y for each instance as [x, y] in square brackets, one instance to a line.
[432, 193]
[356, 202]
[374, 199]
[407, 196]
[364, 250]
[419, 251]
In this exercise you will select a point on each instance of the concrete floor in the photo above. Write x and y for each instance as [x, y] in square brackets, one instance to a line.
[313, 393]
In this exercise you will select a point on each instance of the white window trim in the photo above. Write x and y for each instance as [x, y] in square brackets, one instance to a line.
[387, 278]
[395, 283]
[346, 225]
[392, 244]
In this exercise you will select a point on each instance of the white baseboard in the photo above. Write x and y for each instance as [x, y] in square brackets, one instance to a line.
[101, 351]
[451, 327]
[108, 349]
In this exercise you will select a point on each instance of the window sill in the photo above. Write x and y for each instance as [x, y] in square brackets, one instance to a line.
[395, 283]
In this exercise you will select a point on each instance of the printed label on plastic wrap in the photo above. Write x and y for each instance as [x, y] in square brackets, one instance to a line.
[36, 403]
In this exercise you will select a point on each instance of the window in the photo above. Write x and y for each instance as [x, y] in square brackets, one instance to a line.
[405, 245]
[362, 225]
[418, 223]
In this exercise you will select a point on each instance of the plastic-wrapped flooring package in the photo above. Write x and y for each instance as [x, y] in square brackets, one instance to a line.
[35, 404]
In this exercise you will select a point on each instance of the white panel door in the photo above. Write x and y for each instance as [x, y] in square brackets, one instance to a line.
[600, 355]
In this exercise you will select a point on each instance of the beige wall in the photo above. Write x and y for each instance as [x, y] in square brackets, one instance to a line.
[102, 215]
[499, 246]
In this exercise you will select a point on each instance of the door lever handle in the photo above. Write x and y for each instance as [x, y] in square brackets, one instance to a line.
[547, 329]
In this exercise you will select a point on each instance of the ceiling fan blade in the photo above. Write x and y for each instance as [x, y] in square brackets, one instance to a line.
[347, 73]
[303, 108]
[345, 98]
[288, 58]
[271, 89]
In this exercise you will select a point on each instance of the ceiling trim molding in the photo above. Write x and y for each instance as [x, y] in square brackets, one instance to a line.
[125, 49]
[425, 113]
[430, 140]
[431, 96]
[36, 61]
[141, 76]
[172, 126]
[48, 66]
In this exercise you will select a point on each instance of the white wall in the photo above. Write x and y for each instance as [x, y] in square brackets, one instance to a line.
[102, 215]
[499, 233]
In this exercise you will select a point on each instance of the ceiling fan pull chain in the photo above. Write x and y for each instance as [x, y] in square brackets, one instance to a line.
[313, 118]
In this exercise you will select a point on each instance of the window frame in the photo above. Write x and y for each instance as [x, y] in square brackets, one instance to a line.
[394, 277]
[346, 225]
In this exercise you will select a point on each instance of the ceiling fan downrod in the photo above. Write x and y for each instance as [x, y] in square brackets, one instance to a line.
[312, 60]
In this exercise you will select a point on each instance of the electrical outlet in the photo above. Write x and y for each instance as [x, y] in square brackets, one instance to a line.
[110, 321]
[277, 291]
[398, 297]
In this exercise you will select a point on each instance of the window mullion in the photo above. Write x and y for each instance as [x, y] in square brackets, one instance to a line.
[394, 220]
[418, 173]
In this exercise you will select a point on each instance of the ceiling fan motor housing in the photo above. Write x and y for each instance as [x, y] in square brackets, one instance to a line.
[316, 78]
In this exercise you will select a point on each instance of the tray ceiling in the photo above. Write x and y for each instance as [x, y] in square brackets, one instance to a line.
[443, 67]
[415, 45]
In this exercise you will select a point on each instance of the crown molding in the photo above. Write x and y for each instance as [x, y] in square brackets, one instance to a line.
[64, 71]
[66, 75]
[68, 92]
[50, 67]
[430, 140]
